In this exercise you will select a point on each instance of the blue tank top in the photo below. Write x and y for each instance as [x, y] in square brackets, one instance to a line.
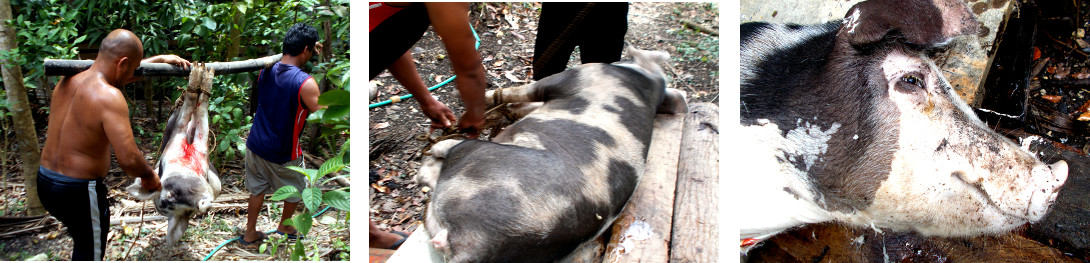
[280, 114]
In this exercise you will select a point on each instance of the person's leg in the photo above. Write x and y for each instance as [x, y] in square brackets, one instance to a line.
[68, 200]
[395, 35]
[253, 209]
[289, 210]
[556, 33]
[255, 178]
[602, 36]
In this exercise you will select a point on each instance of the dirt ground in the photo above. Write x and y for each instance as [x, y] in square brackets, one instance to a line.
[46, 239]
[507, 32]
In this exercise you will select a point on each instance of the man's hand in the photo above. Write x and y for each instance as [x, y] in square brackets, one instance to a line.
[471, 124]
[150, 183]
[441, 116]
[169, 59]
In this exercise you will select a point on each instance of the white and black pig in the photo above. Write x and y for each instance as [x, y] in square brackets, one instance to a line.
[850, 121]
[190, 183]
[555, 178]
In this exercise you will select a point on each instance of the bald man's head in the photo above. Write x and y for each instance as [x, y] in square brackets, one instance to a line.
[121, 43]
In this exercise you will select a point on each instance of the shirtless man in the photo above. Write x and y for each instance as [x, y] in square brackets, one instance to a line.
[88, 117]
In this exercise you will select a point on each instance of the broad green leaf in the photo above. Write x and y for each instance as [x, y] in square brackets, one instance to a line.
[335, 97]
[310, 173]
[335, 112]
[303, 221]
[262, 249]
[209, 23]
[338, 199]
[312, 198]
[284, 193]
[332, 165]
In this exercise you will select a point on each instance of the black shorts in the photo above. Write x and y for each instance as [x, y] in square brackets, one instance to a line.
[81, 206]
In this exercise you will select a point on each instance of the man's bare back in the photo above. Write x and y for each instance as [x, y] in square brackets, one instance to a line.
[87, 116]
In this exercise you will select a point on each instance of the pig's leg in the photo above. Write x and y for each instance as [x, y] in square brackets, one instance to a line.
[553, 86]
[433, 162]
[673, 101]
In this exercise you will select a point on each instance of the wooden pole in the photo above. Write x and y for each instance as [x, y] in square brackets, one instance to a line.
[696, 226]
[64, 67]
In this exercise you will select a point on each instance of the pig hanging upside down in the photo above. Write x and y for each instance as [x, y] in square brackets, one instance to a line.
[851, 121]
[189, 180]
[556, 178]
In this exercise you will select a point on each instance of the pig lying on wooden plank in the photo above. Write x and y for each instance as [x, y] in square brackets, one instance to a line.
[555, 178]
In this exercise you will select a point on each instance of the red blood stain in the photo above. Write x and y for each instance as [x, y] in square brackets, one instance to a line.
[191, 158]
[749, 242]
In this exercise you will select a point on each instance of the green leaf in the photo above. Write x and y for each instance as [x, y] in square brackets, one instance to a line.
[312, 198]
[285, 193]
[335, 97]
[338, 199]
[303, 221]
[262, 248]
[79, 39]
[209, 23]
[332, 165]
[310, 173]
[298, 253]
[335, 112]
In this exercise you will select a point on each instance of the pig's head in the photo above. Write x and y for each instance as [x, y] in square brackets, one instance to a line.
[921, 160]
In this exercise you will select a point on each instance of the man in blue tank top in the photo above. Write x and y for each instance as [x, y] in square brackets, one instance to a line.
[285, 96]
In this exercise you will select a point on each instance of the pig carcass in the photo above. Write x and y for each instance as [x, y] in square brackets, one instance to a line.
[555, 178]
[189, 181]
[850, 121]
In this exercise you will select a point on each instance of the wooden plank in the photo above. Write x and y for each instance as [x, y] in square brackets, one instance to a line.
[833, 242]
[965, 62]
[695, 236]
[416, 249]
[642, 231]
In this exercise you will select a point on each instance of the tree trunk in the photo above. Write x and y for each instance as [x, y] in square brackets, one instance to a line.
[26, 137]
[325, 84]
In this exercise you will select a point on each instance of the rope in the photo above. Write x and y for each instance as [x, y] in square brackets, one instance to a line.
[395, 99]
[236, 238]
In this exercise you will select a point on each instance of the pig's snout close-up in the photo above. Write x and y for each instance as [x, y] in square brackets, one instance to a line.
[852, 121]
[190, 183]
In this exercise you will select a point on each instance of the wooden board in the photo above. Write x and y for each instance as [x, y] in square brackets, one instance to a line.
[695, 236]
[833, 242]
[642, 232]
[416, 249]
[965, 62]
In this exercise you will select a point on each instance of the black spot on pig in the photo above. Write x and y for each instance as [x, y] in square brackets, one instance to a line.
[942, 145]
[748, 30]
[622, 181]
[640, 128]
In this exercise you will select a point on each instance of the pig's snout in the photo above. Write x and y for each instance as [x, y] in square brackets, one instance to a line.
[1046, 187]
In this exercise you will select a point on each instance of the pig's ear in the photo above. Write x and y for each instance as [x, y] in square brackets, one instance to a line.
[924, 23]
[138, 192]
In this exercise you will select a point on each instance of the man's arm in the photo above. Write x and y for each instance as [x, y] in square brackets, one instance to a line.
[309, 94]
[171, 59]
[451, 22]
[404, 70]
[115, 122]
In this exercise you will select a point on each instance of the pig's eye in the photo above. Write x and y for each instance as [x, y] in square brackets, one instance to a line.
[910, 79]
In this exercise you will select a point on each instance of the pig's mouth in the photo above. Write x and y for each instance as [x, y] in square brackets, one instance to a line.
[977, 190]
[1024, 211]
